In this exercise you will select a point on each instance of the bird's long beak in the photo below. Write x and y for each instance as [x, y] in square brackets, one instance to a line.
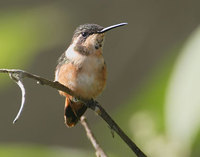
[111, 27]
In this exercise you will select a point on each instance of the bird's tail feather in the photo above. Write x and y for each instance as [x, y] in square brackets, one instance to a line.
[73, 111]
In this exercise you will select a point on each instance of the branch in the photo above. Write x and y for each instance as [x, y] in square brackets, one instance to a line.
[92, 104]
[99, 150]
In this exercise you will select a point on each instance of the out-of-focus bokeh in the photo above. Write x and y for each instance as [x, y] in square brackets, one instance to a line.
[153, 87]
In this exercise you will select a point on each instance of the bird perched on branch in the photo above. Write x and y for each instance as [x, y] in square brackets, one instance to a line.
[82, 69]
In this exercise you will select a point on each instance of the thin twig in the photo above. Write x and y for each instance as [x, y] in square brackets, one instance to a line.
[98, 149]
[92, 104]
[17, 78]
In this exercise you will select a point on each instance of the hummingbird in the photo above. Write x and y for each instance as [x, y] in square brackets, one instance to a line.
[82, 69]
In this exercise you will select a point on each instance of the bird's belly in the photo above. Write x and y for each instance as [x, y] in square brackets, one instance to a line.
[87, 82]
[90, 85]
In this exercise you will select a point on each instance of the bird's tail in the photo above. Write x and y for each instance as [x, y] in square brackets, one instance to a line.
[73, 111]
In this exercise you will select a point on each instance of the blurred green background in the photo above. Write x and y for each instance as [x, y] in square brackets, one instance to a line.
[153, 82]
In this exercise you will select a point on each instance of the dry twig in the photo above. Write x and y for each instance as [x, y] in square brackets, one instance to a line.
[92, 104]
[98, 149]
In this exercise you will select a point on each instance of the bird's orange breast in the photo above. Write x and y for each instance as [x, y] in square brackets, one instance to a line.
[87, 79]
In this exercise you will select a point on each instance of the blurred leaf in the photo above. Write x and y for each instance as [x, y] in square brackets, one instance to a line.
[183, 100]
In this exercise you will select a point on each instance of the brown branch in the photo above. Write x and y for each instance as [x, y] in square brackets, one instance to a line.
[92, 104]
[98, 149]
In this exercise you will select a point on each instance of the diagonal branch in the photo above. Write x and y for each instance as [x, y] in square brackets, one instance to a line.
[98, 149]
[92, 104]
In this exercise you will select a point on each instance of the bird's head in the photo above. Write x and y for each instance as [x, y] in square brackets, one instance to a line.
[89, 37]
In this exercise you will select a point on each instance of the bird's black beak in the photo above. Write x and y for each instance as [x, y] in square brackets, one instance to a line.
[111, 27]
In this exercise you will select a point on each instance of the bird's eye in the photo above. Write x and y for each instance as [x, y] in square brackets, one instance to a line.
[84, 34]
